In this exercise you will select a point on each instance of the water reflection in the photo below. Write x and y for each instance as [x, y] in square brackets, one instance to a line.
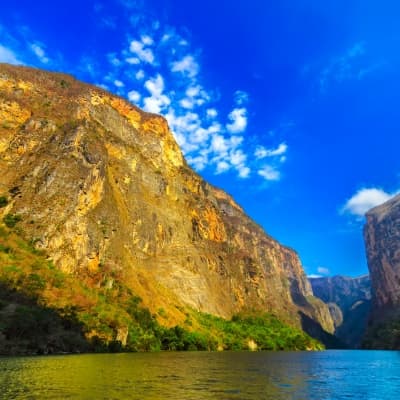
[186, 376]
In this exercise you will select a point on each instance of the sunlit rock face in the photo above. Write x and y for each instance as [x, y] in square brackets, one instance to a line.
[349, 301]
[103, 187]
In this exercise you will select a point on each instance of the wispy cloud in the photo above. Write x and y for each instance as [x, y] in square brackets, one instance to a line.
[323, 271]
[271, 161]
[157, 68]
[365, 199]
[187, 65]
[262, 152]
[8, 56]
[141, 51]
[353, 64]
[40, 53]
[269, 173]
[238, 118]
[157, 101]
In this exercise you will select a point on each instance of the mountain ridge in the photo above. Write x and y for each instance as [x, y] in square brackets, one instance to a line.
[349, 301]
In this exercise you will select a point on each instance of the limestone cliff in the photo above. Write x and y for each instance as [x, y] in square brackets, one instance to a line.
[349, 301]
[103, 187]
[382, 239]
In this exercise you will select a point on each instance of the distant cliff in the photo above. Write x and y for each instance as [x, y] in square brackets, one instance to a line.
[102, 187]
[349, 301]
[382, 239]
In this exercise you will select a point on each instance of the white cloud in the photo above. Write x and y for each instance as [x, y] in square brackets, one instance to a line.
[187, 65]
[139, 75]
[364, 200]
[238, 118]
[237, 157]
[269, 173]
[118, 83]
[132, 60]
[199, 162]
[323, 271]
[193, 91]
[219, 144]
[222, 166]
[155, 85]
[186, 103]
[241, 97]
[134, 96]
[103, 86]
[157, 102]
[147, 40]
[114, 60]
[143, 54]
[165, 37]
[262, 152]
[313, 276]
[39, 52]
[244, 172]
[212, 113]
[205, 138]
[8, 56]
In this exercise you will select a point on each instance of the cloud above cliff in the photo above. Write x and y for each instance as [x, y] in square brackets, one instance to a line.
[155, 66]
[365, 199]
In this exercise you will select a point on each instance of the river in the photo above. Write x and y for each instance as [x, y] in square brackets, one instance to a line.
[201, 375]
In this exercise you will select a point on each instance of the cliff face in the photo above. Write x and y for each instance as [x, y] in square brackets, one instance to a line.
[382, 239]
[349, 301]
[103, 187]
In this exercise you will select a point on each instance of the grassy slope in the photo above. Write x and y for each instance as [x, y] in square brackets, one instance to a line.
[43, 310]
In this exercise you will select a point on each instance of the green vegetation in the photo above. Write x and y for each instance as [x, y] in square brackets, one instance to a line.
[44, 310]
[11, 220]
[383, 336]
[64, 84]
[3, 201]
[267, 331]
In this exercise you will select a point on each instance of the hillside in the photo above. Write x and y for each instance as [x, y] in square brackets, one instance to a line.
[104, 190]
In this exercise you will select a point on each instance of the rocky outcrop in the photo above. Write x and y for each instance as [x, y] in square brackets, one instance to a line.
[349, 301]
[103, 187]
[382, 239]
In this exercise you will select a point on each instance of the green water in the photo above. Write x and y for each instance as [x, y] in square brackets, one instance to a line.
[242, 375]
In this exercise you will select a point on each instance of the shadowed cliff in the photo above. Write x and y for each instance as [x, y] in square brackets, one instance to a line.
[349, 301]
[382, 240]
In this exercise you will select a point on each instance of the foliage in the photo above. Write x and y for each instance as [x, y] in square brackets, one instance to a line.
[43, 309]
[383, 336]
[3, 201]
[267, 331]
[11, 220]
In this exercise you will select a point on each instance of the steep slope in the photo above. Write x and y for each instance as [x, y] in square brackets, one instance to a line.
[43, 310]
[103, 188]
[382, 239]
[349, 301]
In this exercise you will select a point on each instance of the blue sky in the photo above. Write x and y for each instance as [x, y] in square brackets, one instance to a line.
[292, 108]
